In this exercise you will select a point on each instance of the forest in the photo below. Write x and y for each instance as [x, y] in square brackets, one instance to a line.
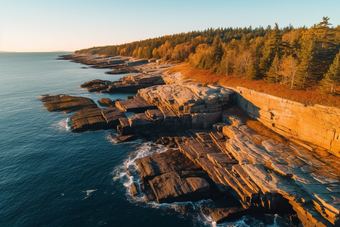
[299, 58]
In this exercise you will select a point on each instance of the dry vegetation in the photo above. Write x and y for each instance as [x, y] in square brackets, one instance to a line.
[309, 96]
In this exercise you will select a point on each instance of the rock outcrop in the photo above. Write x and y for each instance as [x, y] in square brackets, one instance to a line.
[123, 70]
[67, 103]
[170, 187]
[172, 177]
[126, 84]
[179, 108]
[319, 125]
[88, 119]
[95, 119]
[106, 102]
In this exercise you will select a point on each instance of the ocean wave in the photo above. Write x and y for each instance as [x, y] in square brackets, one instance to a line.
[63, 125]
[140, 149]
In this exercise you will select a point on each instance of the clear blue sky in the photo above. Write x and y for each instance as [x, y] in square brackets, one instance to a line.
[68, 25]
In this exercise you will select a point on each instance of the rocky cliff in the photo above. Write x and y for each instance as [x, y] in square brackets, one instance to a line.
[319, 125]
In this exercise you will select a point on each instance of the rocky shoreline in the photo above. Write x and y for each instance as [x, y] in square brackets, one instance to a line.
[217, 151]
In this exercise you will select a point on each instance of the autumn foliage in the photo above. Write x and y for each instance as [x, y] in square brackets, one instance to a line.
[309, 96]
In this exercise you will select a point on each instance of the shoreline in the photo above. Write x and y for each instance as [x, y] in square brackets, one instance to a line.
[228, 171]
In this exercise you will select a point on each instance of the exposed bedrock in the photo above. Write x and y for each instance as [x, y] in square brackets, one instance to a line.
[126, 84]
[66, 103]
[265, 175]
[88, 116]
[176, 108]
[95, 60]
[122, 70]
[319, 125]
[95, 119]
[172, 177]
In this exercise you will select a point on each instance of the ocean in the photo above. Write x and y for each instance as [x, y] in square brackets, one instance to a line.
[50, 176]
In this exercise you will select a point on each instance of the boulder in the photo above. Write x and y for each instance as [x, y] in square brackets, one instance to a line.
[106, 102]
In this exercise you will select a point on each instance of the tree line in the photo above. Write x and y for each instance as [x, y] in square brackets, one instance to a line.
[297, 57]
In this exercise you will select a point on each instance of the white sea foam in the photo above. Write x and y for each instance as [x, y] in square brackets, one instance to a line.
[88, 192]
[143, 149]
[63, 125]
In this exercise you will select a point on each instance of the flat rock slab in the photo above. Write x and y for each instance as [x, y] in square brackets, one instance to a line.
[88, 119]
[67, 103]
[121, 139]
[134, 105]
[221, 159]
[155, 114]
[172, 160]
[112, 116]
[170, 187]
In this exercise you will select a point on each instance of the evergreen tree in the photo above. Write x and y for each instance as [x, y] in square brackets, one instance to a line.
[332, 77]
[155, 53]
[327, 49]
[217, 51]
[305, 74]
[252, 71]
[272, 75]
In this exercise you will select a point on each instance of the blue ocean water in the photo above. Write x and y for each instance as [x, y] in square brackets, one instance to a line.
[50, 176]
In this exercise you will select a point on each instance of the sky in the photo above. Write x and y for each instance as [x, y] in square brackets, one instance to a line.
[69, 25]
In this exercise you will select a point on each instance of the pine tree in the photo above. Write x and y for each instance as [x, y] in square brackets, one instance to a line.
[272, 75]
[252, 71]
[327, 49]
[332, 77]
[305, 74]
[217, 51]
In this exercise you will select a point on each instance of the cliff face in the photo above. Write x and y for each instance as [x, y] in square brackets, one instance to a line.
[319, 125]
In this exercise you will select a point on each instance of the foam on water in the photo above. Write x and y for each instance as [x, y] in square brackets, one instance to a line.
[143, 149]
[88, 192]
[63, 125]
[109, 138]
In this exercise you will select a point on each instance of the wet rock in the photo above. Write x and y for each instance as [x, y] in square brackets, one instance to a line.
[134, 189]
[121, 139]
[131, 170]
[67, 103]
[220, 215]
